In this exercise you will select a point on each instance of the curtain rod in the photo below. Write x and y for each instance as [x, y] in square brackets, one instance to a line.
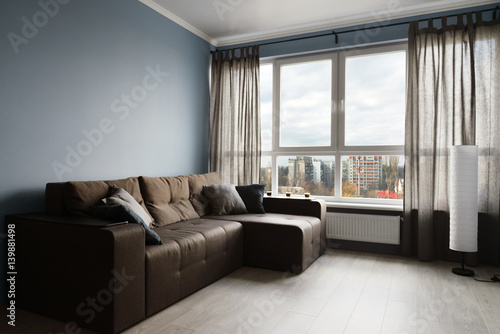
[367, 28]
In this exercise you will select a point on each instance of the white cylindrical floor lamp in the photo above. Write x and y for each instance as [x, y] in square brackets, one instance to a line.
[463, 202]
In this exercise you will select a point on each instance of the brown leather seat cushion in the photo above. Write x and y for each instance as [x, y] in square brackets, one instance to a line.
[194, 253]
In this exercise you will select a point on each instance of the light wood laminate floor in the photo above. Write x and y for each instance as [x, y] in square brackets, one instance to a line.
[342, 292]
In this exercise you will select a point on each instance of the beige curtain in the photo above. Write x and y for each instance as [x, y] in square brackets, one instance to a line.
[235, 115]
[453, 77]
[487, 102]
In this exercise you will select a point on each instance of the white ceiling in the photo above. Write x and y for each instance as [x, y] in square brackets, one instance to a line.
[226, 22]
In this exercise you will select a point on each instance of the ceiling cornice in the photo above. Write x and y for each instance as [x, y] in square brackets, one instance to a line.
[161, 10]
[348, 22]
[370, 18]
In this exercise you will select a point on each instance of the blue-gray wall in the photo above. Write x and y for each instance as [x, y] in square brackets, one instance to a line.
[73, 72]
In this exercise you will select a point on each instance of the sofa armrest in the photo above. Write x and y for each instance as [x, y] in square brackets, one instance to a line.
[80, 269]
[72, 220]
[301, 207]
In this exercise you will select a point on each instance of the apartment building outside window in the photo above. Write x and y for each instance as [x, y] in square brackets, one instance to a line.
[333, 124]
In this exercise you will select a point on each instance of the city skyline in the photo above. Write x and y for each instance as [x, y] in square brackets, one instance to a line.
[362, 176]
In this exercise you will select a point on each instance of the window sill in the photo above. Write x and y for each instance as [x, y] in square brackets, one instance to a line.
[345, 205]
[365, 206]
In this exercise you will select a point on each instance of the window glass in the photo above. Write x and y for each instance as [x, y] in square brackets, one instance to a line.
[305, 105]
[373, 176]
[375, 99]
[306, 174]
[266, 106]
[266, 172]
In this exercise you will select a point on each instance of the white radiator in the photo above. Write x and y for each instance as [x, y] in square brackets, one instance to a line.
[368, 228]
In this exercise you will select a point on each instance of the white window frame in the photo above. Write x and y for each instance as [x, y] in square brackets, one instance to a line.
[337, 146]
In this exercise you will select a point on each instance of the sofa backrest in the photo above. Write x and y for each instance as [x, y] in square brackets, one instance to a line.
[54, 198]
[76, 197]
[166, 199]
[196, 183]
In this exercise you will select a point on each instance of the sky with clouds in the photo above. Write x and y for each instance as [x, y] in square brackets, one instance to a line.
[375, 99]
[374, 102]
[305, 117]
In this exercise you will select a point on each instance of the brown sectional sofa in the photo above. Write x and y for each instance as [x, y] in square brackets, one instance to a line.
[100, 274]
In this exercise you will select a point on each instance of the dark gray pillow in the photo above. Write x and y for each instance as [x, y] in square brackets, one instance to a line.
[253, 197]
[119, 196]
[120, 213]
[224, 199]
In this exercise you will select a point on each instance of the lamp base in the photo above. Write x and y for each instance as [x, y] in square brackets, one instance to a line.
[463, 272]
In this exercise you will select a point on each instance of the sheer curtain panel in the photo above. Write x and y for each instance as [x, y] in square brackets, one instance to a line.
[235, 115]
[453, 83]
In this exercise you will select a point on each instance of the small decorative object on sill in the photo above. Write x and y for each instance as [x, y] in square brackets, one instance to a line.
[307, 195]
[269, 193]
[288, 194]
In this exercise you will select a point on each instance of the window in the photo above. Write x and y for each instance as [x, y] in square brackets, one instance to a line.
[333, 124]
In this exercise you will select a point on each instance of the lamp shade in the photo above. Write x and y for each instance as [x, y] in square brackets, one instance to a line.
[463, 198]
